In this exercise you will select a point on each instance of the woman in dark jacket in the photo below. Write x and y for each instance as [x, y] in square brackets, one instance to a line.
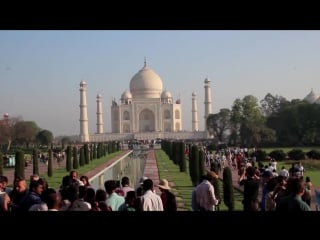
[168, 198]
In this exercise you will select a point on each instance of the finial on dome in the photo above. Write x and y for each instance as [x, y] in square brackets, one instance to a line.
[145, 61]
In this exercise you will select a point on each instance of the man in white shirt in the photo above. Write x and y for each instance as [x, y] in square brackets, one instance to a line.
[205, 196]
[150, 201]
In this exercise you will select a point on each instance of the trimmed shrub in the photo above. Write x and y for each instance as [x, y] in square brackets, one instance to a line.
[201, 164]
[228, 196]
[19, 165]
[1, 164]
[313, 154]
[296, 154]
[82, 158]
[194, 165]
[35, 161]
[278, 155]
[183, 161]
[68, 161]
[214, 167]
[50, 162]
[260, 155]
[75, 162]
[86, 154]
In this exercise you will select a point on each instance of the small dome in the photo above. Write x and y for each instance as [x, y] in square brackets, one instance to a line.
[126, 95]
[311, 97]
[99, 96]
[194, 94]
[146, 84]
[206, 81]
[166, 94]
[178, 101]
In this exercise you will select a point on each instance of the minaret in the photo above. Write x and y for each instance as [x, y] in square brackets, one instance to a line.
[207, 101]
[84, 132]
[195, 126]
[99, 115]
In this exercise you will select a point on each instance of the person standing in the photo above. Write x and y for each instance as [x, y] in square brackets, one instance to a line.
[168, 198]
[204, 193]
[250, 182]
[150, 201]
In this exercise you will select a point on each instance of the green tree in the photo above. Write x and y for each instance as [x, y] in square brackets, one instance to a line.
[228, 195]
[86, 153]
[82, 161]
[247, 120]
[7, 131]
[19, 164]
[1, 164]
[182, 161]
[50, 162]
[69, 159]
[35, 161]
[194, 165]
[75, 158]
[222, 124]
[44, 137]
[271, 104]
[65, 141]
[25, 132]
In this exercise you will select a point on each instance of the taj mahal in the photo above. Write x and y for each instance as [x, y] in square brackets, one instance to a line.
[145, 112]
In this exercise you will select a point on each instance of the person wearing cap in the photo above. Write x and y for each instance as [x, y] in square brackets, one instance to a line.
[168, 198]
[204, 193]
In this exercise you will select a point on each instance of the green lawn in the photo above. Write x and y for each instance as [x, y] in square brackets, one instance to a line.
[56, 179]
[312, 169]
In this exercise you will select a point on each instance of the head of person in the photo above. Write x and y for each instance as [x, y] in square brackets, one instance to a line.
[73, 175]
[34, 177]
[20, 185]
[2, 184]
[110, 186]
[147, 185]
[37, 186]
[211, 176]
[85, 180]
[125, 181]
[164, 185]
[250, 172]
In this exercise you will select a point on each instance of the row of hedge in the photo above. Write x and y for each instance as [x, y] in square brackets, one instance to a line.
[280, 155]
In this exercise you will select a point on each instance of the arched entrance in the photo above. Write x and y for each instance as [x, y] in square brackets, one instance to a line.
[146, 121]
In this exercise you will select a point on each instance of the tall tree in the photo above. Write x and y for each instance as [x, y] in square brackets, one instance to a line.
[44, 137]
[65, 141]
[247, 120]
[1, 164]
[272, 104]
[35, 159]
[222, 124]
[25, 132]
[50, 153]
[19, 164]
[7, 131]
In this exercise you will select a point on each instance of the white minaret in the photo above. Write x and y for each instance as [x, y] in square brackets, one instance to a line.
[84, 131]
[99, 114]
[207, 101]
[195, 126]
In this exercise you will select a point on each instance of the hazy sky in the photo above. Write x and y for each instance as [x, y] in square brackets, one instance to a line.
[40, 71]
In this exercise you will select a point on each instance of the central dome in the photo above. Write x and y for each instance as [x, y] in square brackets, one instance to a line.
[146, 84]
